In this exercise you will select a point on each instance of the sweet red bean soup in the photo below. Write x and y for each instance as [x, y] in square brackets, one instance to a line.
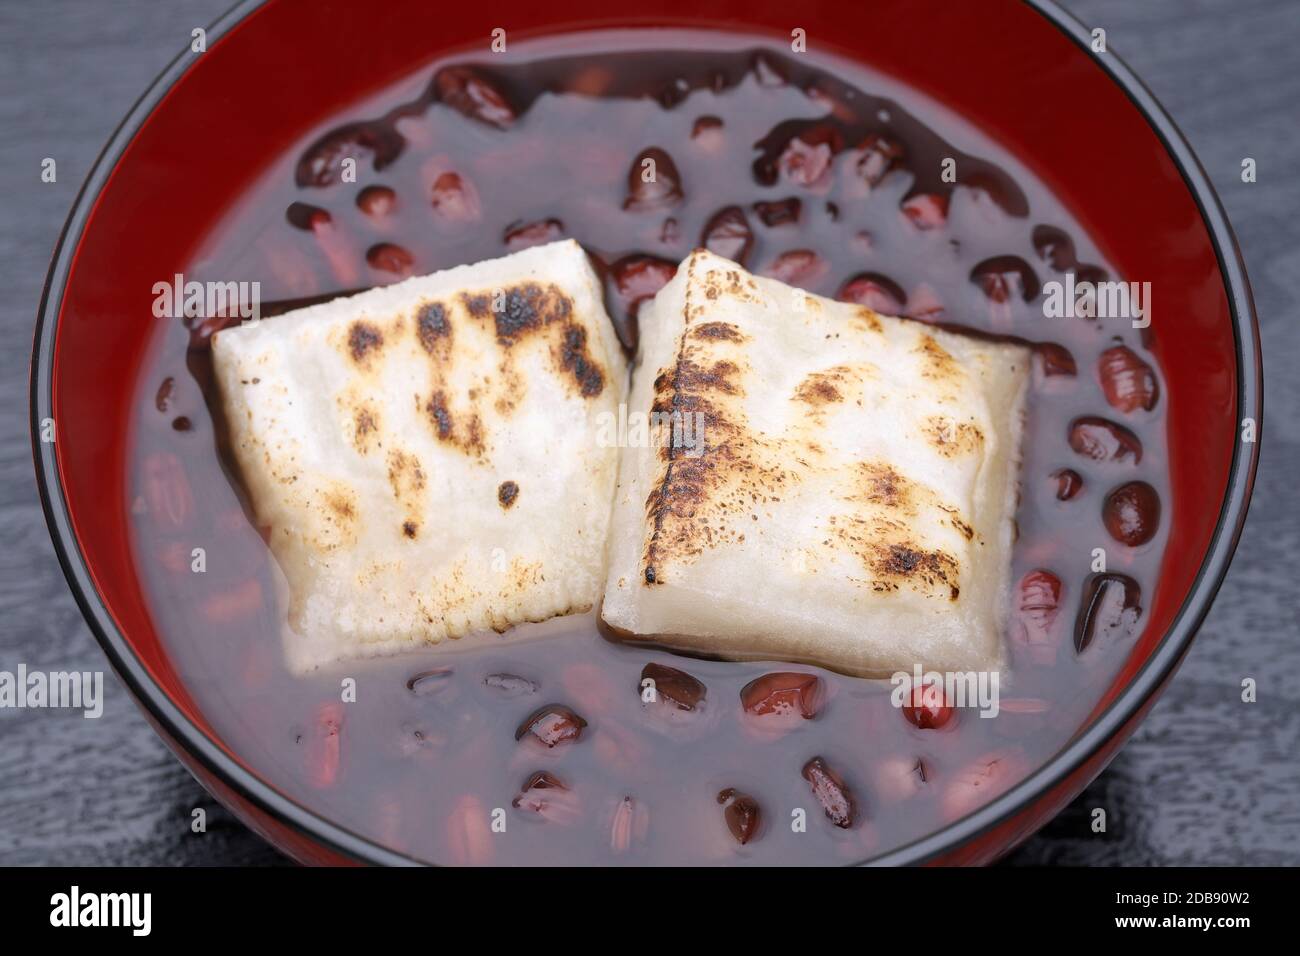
[807, 169]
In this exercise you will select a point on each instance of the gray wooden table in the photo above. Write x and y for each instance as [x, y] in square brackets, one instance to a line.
[1205, 780]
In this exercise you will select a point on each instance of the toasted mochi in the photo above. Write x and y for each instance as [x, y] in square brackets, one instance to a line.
[424, 456]
[851, 500]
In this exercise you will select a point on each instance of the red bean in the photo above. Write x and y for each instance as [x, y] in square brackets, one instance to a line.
[807, 157]
[1055, 360]
[831, 792]
[1108, 610]
[653, 182]
[926, 211]
[1131, 513]
[677, 688]
[473, 95]
[741, 813]
[1103, 440]
[877, 157]
[784, 693]
[1068, 483]
[551, 725]
[162, 399]
[929, 708]
[780, 212]
[727, 234]
[377, 202]
[389, 257]
[166, 491]
[455, 199]
[878, 293]
[639, 277]
[547, 796]
[1054, 247]
[1129, 382]
[307, 217]
[801, 267]
[1039, 604]
[1003, 278]
[707, 133]
[321, 165]
[431, 682]
[521, 235]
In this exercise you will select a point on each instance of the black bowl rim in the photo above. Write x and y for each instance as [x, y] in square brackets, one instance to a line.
[323, 832]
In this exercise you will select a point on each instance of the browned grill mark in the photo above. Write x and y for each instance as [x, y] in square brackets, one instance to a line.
[365, 424]
[884, 486]
[441, 415]
[818, 389]
[683, 391]
[577, 361]
[340, 506]
[938, 362]
[951, 438]
[409, 528]
[895, 564]
[363, 338]
[530, 308]
[870, 319]
[507, 492]
[718, 331]
[432, 326]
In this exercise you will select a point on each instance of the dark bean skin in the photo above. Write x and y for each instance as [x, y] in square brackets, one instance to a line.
[1068, 483]
[677, 688]
[474, 96]
[831, 792]
[784, 692]
[376, 201]
[1054, 360]
[664, 189]
[878, 156]
[1103, 440]
[1109, 609]
[1131, 513]
[387, 257]
[552, 724]
[1054, 247]
[741, 813]
[727, 234]
[321, 165]
[1129, 383]
[1006, 277]
[878, 293]
[1040, 600]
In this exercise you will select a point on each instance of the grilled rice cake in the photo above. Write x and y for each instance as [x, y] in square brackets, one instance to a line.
[822, 483]
[425, 455]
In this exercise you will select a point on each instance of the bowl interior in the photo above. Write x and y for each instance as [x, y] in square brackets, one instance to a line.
[287, 66]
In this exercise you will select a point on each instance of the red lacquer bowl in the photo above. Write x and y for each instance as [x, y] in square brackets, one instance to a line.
[1022, 72]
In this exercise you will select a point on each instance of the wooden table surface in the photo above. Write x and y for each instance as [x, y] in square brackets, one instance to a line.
[1206, 779]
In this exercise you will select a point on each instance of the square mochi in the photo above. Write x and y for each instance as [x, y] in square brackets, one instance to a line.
[840, 491]
[425, 456]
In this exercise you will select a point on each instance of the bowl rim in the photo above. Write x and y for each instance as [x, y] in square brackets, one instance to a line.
[179, 731]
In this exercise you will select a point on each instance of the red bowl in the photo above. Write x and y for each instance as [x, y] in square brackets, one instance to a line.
[1024, 73]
